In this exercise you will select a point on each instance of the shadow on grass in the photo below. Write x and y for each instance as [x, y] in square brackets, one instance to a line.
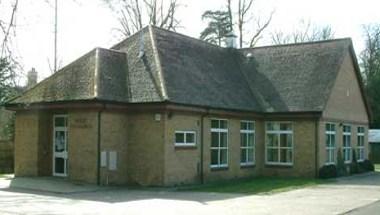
[261, 185]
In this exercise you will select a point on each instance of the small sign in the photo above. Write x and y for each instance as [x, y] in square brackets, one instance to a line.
[103, 159]
[112, 160]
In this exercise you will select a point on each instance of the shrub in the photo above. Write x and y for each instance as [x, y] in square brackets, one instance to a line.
[328, 171]
[367, 166]
[354, 167]
[341, 168]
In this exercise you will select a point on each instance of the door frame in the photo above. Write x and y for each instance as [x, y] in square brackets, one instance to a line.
[65, 153]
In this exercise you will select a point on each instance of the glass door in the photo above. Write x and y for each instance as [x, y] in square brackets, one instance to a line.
[60, 146]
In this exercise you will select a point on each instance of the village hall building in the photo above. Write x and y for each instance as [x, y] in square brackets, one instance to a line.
[163, 109]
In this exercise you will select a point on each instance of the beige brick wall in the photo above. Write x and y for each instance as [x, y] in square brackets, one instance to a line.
[114, 137]
[146, 149]
[182, 164]
[345, 102]
[82, 145]
[26, 143]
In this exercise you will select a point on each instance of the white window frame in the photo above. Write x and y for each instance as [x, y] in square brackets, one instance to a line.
[278, 132]
[330, 149]
[360, 147]
[185, 143]
[248, 148]
[219, 148]
[347, 148]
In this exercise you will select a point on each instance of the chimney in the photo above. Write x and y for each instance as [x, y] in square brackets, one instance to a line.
[231, 40]
[32, 78]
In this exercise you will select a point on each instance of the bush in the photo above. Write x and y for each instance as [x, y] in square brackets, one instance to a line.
[328, 171]
[341, 167]
[367, 166]
[354, 167]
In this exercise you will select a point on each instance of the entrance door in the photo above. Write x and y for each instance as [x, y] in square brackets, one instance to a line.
[60, 146]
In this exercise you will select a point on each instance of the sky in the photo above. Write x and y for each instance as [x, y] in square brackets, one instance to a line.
[86, 24]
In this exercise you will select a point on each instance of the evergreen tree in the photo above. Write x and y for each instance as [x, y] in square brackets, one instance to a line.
[219, 27]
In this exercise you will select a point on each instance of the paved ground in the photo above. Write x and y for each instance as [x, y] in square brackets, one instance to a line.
[371, 209]
[344, 196]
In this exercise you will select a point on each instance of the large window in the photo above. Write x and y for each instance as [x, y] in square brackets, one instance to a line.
[247, 143]
[219, 143]
[330, 143]
[360, 144]
[347, 143]
[279, 143]
[185, 138]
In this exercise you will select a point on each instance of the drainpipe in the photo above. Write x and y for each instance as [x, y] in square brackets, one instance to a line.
[317, 147]
[99, 144]
[202, 146]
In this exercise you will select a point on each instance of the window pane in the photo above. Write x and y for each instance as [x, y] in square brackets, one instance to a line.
[332, 140]
[285, 140]
[60, 141]
[223, 139]
[251, 126]
[285, 127]
[243, 155]
[286, 155]
[190, 138]
[272, 155]
[214, 157]
[214, 123]
[272, 140]
[328, 140]
[250, 139]
[243, 140]
[59, 122]
[179, 138]
[59, 165]
[243, 126]
[250, 155]
[223, 124]
[223, 156]
[214, 139]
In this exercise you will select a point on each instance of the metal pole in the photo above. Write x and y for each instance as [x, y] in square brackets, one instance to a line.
[55, 35]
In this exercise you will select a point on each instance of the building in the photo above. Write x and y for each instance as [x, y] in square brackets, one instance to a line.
[374, 145]
[161, 108]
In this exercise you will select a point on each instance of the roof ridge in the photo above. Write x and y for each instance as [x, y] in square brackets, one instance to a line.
[299, 44]
[188, 37]
[162, 84]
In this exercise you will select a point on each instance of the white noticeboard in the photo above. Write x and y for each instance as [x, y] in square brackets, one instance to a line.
[112, 160]
[103, 159]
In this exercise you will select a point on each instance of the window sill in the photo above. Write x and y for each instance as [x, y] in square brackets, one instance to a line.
[218, 168]
[184, 147]
[247, 166]
[285, 166]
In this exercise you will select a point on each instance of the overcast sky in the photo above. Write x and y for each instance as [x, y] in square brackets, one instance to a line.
[86, 24]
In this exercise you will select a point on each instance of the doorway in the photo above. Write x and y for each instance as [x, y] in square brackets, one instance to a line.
[60, 146]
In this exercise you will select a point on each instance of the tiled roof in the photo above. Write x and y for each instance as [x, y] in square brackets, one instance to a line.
[184, 70]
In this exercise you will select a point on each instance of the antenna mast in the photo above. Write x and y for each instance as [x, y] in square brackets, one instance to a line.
[55, 35]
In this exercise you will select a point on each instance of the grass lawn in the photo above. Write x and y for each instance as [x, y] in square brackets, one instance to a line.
[258, 185]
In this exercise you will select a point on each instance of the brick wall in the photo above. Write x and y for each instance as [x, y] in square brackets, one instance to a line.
[6, 157]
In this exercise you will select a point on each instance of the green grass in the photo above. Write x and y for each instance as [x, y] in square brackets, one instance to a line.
[258, 185]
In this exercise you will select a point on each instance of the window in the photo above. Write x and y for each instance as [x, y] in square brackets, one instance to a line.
[279, 143]
[185, 138]
[360, 146]
[330, 143]
[247, 143]
[219, 143]
[347, 143]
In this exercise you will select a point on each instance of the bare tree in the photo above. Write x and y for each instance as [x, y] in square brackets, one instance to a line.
[8, 27]
[135, 14]
[244, 14]
[306, 32]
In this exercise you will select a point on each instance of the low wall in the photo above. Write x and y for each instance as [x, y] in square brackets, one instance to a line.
[6, 157]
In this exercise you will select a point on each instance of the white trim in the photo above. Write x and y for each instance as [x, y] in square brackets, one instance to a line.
[279, 147]
[347, 148]
[185, 143]
[360, 148]
[219, 148]
[64, 154]
[248, 148]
